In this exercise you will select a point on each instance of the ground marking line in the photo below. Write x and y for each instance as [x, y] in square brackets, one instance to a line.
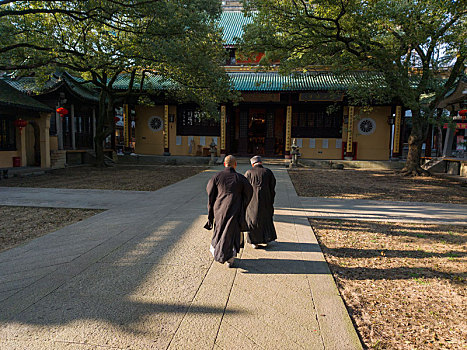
[245, 335]
[302, 261]
[227, 301]
[191, 304]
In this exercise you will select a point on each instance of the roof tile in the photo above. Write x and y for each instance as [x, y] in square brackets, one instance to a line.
[232, 23]
[11, 97]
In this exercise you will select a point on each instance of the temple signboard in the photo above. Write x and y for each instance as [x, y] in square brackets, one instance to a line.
[321, 96]
[261, 97]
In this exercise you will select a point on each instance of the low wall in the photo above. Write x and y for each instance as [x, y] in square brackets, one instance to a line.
[354, 164]
[6, 158]
[157, 160]
[463, 169]
[450, 166]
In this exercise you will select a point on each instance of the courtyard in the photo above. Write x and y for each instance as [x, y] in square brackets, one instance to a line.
[402, 281]
[117, 255]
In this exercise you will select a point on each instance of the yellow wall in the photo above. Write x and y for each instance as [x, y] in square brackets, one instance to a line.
[197, 149]
[148, 141]
[53, 143]
[376, 145]
[6, 158]
[25, 142]
[319, 152]
[370, 147]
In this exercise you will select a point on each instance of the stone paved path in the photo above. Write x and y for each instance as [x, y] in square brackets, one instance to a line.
[140, 276]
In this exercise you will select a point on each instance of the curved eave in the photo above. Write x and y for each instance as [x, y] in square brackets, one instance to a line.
[13, 98]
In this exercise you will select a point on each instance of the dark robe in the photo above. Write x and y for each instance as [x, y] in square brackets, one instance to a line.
[228, 196]
[260, 211]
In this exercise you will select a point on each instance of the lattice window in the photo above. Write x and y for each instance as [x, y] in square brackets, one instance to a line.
[315, 121]
[193, 122]
[7, 135]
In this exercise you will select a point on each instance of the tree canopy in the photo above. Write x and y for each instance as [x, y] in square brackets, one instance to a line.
[419, 46]
[101, 40]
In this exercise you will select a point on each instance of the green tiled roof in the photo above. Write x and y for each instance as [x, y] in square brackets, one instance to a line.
[151, 82]
[28, 85]
[460, 81]
[269, 81]
[232, 23]
[11, 97]
[80, 90]
[242, 81]
[312, 81]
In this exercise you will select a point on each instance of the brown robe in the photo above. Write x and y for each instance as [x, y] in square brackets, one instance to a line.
[228, 196]
[260, 211]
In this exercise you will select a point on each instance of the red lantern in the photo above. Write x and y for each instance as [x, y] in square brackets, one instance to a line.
[116, 119]
[463, 113]
[62, 111]
[20, 124]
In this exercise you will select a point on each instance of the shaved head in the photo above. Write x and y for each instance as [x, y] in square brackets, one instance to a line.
[230, 161]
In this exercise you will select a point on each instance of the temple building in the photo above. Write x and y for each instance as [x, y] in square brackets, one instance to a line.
[311, 108]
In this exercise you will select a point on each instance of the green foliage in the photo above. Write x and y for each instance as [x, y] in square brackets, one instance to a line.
[99, 41]
[409, 41]
[419, 46]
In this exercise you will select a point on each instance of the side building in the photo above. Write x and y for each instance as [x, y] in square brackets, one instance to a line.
[71, 132]
[24, 129]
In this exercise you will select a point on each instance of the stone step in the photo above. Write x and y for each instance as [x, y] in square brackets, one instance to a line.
[434, 165]
[57, 159]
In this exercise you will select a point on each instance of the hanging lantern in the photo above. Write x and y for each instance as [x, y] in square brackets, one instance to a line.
[62, 111]
[20, 124]
[463, 113]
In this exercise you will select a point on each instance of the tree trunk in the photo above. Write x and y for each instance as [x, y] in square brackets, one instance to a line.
[412, 165]
[439, 152]
[99, 152]
[103, 128]
[439, 132]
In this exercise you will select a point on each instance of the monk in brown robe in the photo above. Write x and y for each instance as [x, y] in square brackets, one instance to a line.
[260, 211]
[228, 196]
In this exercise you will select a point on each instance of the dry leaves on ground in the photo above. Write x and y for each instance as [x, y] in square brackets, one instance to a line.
[376, 184]
[404, 284]
[129, 178]
[21, 224]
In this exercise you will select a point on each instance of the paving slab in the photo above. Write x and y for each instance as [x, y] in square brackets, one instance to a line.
[140, 276]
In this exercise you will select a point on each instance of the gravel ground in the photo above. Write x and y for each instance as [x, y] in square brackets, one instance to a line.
[21, 224]
[130, 178]
[404, 284]
[377, 185]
